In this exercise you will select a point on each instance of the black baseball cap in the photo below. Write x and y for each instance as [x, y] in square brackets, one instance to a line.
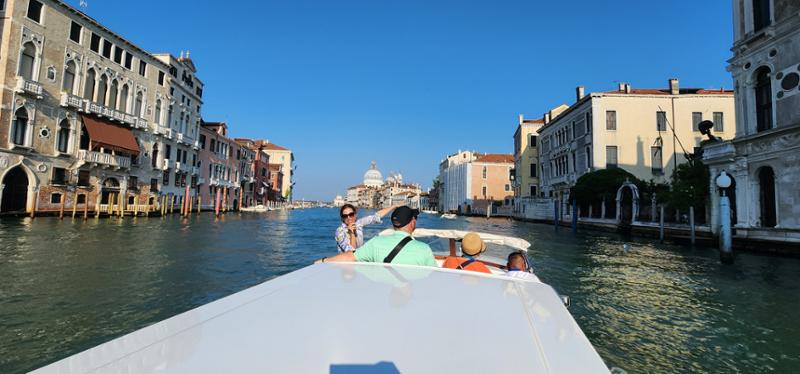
[403, 215]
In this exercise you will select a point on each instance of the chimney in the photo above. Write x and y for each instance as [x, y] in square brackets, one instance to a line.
[621, 87]
[627, 88]
[546, 118]
[521, 119]
[674, 89]
[579, 93]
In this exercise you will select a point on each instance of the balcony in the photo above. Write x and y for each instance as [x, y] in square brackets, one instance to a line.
[72, 101]
[196, 145]
[142, 123]
[196, 170]
[104, 159]
[184, 167]
[179, 137]
[31, 87]
[719, 152]
[213, 181]
[166, 164]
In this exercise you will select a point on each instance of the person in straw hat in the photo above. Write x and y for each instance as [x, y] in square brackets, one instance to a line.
[472, 246]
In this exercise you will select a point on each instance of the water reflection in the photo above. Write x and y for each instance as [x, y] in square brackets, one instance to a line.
[66, 286]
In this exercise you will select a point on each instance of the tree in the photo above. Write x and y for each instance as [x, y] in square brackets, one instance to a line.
[601, 185]
[689, 186]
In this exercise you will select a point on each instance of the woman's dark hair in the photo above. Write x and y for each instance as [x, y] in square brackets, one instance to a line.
[345, 206]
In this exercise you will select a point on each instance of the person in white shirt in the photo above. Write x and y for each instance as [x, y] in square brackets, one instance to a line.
[518, 267]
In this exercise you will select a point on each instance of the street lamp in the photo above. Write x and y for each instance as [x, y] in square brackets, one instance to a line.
[725, 254]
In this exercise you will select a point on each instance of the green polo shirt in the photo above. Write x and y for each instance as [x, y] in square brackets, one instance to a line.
[414, 253]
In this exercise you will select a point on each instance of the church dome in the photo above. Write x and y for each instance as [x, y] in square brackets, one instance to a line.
[373, 177]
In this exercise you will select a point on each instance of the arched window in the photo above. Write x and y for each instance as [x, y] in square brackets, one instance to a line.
[766, 184]
[169, 116]
[88, 91]
[112, 94]
[63, 136]
[102, 88]
[69, 78]
[19, 127]
[155, 156]
[123, 99]
[157, 117]
[137, 110]
[26, 61]
[763, 91]
[85, 140]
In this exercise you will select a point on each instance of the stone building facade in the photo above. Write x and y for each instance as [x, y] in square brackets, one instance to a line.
[220, 175]
[526, 159]
[646, 132]
[764, 157]
[81, 113]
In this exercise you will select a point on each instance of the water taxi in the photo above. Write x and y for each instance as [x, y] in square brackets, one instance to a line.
[364, 318]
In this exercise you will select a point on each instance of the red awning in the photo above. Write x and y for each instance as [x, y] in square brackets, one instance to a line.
[110, 135]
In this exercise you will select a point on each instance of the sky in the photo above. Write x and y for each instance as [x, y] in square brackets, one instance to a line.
[407, 82]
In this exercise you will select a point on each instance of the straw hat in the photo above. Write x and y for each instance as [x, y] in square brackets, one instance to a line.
[472, 244]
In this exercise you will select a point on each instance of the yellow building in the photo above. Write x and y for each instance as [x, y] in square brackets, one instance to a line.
[647, 132]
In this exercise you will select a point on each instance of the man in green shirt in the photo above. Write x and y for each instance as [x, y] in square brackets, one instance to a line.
[380, 248]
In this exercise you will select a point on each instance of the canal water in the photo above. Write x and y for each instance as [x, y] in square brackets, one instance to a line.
[66, 286]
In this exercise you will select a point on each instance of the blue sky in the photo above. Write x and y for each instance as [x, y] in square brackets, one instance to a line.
[405, 82]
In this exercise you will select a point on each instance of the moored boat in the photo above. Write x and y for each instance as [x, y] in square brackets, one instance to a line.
[449, 216]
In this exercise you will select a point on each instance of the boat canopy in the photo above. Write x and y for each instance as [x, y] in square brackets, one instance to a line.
[508, 241]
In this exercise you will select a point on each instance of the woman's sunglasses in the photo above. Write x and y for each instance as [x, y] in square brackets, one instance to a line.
[349, 215]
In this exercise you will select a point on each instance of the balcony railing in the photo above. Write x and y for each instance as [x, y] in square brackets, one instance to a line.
[31, 87]
[179, 137]
[104, 159]
[72, 101]
[196, 145]
[184, 167]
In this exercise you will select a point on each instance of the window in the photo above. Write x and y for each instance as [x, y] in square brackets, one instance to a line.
[661, 121]
[178, 155]
[161, 78]
[167, 152]
[123, 99]
[656, 160]
[154, 159]
[483, 190]
[719, 123]
[128, 60]
[34, 11]
[533, 141]
[202, 141]
[19, 127]
[588, 122]
[107, 48]
[112, 94]
[94, 43]
[697, 117]
[588, 158]
[177, 179]
[83, 178]
[166, 176]
[63, 136]
[81, 199]
[133, 183]
[75, 32]
[69, 77]
[212, 149]
[157, 116]
[102, 88]
[55, 198]
[142, 68]
[137, 109]
[484, 172]
[508, 187]
[533, 191]
[153, 185]
[118, 52]
[611, 120]
[88, 89]
[27, 60]
[611, 156]
[59, 176]
[761, 14]
[763, 91]
[533, 171]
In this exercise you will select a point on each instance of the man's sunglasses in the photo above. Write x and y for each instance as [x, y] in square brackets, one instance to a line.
[349, 215]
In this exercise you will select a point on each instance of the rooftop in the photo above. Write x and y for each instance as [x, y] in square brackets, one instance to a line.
[496, 158]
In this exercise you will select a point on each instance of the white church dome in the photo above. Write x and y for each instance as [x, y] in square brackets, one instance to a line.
[373, 177]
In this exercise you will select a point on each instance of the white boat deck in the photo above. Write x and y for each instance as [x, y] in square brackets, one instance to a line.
[359, 318]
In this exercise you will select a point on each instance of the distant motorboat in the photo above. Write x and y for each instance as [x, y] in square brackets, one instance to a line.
[256, 209]
[430, 212]
[449, 216]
